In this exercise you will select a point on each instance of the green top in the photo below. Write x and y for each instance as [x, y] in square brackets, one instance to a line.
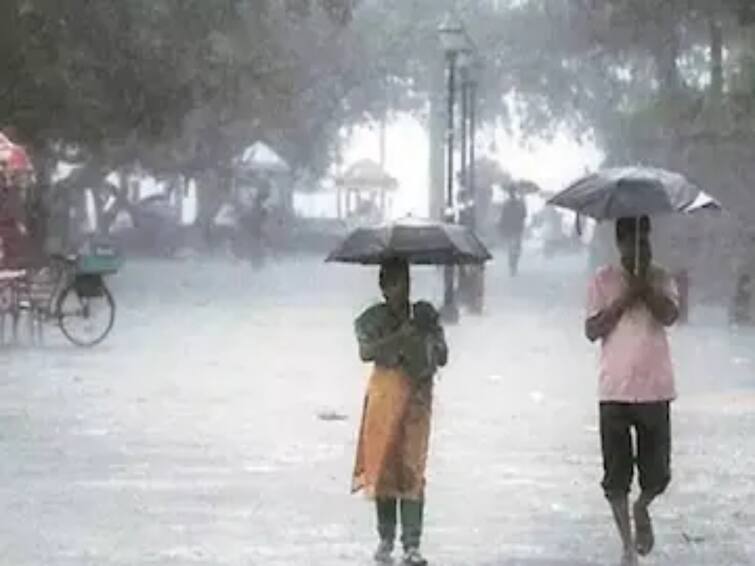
[417, 345]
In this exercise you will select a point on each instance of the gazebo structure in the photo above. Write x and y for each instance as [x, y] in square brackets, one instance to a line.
[260, 164]
[261, 157]
[365, 190]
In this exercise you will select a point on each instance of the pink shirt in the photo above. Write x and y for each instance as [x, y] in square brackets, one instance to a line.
[635, 360]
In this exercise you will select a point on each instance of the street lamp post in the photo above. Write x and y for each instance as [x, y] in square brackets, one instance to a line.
[465, 203]
[464, 63]
[477, 280]
[450, 137]
[474, 80]
[453, 40]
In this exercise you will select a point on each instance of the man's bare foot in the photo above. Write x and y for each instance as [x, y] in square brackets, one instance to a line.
[643, 527]
[629, 558]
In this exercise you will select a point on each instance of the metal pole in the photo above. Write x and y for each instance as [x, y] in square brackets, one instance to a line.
[464, 128]
[450, 140]
[478, 279]
[437, 164]
[450, 312]
[472, 151]
[463, 203]
[383, 135]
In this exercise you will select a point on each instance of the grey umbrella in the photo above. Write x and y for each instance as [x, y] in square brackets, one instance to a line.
[704, 203]
[418, 241]
[628, 192]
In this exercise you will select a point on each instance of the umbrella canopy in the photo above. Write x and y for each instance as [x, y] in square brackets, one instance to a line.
[13, 156]
[16, 168]
[628, 192]
[418, 241]
[489, 172]
[704, 202]
[525, 187]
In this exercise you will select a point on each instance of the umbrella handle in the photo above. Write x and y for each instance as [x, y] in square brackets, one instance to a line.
[637, 247]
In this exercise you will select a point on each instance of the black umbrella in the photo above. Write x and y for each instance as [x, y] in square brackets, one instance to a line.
[628, 192]
[418, 241]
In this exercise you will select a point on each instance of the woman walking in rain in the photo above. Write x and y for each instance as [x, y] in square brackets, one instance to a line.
[406, 343]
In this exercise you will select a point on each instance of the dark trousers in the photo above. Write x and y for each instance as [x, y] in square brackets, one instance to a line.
[514, 244]
[472, 287]
[652, 429]
[411, 521]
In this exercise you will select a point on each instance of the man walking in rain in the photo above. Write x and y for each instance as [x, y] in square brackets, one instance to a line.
[628, 308]
[511, 226]
[406, 344]
[253, 220]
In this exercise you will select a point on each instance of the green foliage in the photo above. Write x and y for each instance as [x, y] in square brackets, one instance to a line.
[185, 84]
[175, 82]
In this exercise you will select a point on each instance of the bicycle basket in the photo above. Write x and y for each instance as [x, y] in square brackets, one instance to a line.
[88, 285]
[102, 259]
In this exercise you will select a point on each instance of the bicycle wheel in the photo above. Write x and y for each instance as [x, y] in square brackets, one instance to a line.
[85, 320]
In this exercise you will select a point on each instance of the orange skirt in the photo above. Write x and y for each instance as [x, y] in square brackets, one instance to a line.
[393, 438]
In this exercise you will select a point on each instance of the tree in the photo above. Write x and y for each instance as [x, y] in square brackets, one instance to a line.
[176, 85]
[181, 86]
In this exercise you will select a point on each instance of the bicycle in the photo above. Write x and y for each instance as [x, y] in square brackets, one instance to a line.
[71, 292]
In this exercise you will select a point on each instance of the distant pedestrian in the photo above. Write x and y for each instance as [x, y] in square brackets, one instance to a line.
[253, 222]
[743, 302]
[511, 227]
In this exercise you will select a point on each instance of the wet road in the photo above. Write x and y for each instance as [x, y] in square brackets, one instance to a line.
[195, 435]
